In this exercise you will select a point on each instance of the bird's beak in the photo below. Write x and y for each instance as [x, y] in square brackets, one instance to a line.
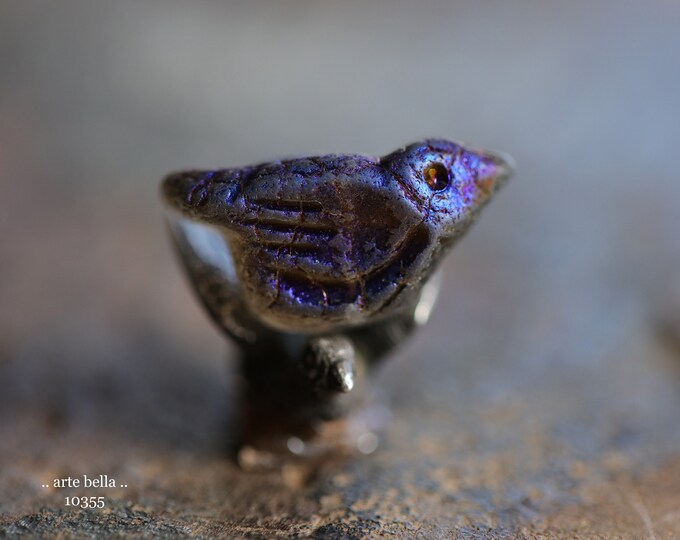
[495, 169]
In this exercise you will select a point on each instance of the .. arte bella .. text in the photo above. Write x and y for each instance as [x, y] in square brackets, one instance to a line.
[100, 481]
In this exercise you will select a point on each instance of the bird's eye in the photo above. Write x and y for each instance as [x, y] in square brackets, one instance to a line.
[436, 176]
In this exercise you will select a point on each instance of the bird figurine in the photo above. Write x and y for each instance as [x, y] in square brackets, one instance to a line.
[311, 264]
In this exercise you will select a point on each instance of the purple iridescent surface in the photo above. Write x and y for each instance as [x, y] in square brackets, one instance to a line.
[314, 243]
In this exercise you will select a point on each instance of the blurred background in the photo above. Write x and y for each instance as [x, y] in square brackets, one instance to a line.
[549, 370]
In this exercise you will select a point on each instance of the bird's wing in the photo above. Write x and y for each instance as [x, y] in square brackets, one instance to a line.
[309, 233]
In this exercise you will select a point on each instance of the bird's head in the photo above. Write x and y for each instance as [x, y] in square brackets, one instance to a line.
[447, 181]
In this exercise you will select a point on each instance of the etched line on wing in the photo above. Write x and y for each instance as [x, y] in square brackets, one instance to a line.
[297, 248]
[316, 290]
[289, 226]
[288, 205]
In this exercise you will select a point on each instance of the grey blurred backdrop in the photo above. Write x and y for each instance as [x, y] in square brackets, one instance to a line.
[549, 305]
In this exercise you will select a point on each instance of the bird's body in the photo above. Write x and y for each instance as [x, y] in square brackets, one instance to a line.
[335, 241]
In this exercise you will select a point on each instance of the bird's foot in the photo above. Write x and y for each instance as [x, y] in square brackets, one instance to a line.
[330, 364]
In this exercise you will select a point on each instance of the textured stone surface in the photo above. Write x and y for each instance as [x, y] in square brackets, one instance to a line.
[543, 400]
